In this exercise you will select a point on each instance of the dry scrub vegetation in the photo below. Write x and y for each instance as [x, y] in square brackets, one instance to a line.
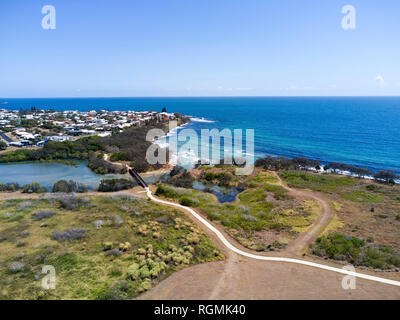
[102, 247]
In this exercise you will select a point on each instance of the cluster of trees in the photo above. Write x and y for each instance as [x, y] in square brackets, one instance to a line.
[109, 185]
[300, 163]
[131, 145]
[224, 178]
[337, 167]
[387, 176]
[182, 179]
[52, 150]
[100, 166]
[282, 163]
[34, 187]
[68, 187]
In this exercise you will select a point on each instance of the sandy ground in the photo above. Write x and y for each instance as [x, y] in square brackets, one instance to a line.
[242, 278]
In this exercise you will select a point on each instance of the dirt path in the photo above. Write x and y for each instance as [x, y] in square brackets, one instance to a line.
[299, 245]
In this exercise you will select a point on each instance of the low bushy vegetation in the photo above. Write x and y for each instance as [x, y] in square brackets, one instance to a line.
[109, 185]
[42, 214]
[100, 166]
[356, 251]
[222, 177]
[34, 187]
[301, 163]
[70, 186]
[183, 179]
[71, 202]
[107, 247]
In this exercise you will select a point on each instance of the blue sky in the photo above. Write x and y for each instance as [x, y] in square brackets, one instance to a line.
[111, 48]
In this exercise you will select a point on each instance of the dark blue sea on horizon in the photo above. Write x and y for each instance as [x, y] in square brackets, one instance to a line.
[363, 131]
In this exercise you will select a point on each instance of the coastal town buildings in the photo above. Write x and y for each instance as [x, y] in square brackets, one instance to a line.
[35, 127]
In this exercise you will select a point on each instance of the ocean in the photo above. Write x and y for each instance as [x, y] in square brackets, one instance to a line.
[362, 131]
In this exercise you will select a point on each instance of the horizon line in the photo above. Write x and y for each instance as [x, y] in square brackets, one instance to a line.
[4, 99]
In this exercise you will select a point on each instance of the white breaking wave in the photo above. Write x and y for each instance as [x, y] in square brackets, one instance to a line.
[194, 119]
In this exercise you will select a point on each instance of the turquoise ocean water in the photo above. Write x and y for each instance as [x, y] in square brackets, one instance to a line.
[363, 131]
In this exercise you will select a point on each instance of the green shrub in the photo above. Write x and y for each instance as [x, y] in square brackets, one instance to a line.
[183, 180]
[224, 178]
[165, 191]
[65, 186]
[3, 145]
[209, 176]
[110, 185]
[186, 202]
[353, 250]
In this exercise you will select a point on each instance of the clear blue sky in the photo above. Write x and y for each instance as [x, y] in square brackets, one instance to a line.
[199, 48]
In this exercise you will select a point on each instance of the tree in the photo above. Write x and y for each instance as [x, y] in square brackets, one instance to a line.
[164, 109]
[362, 172]
[176, 170]
[224, 178]
[387, 176]
[3, 145]
[64, 186]
[304, 163]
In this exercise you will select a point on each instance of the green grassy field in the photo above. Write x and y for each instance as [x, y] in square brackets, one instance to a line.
[124, 245]
[316, 182]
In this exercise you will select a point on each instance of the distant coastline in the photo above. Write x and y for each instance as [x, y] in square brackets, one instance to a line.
[361, 131]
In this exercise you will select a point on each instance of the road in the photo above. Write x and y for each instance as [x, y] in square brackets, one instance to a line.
[5, 137]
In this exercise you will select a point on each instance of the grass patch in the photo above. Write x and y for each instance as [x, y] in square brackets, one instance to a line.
[316, 182]
[362, 196]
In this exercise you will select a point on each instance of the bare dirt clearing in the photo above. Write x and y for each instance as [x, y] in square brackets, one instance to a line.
[242, 278]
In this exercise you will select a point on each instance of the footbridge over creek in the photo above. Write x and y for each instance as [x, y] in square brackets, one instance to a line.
[137, 177]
